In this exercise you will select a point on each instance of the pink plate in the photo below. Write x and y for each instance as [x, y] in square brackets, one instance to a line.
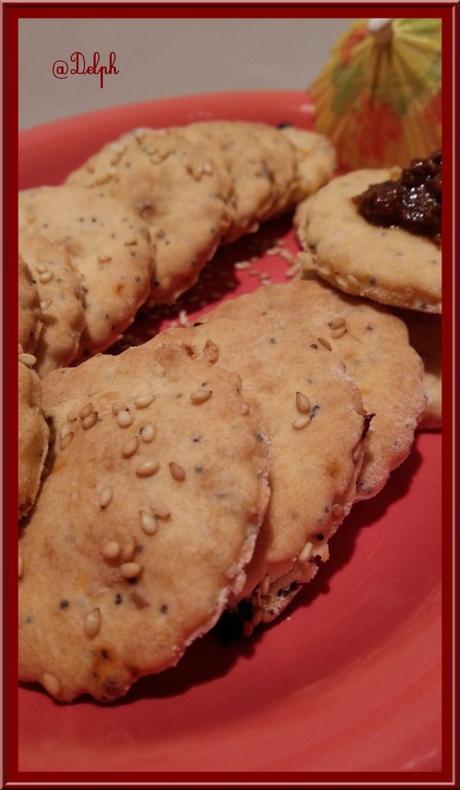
[350, 678]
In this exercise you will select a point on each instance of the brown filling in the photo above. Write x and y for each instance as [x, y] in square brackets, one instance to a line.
[412, 202]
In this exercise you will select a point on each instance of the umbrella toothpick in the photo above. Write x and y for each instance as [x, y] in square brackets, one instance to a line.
[381, 29]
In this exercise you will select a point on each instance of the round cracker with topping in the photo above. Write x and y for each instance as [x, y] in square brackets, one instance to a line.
[29, 316]
[174, 186]
[388, 265]
[61, 301]
[375, 348]
[314, 417]
[33, 436]
[145, 522]
[108, 245]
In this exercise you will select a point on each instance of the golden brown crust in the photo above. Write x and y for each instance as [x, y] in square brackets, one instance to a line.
[145, 522]
[61, 301]
[108, 245]
[374, 345]
[174, 188]
[314, 419]
[29, 316]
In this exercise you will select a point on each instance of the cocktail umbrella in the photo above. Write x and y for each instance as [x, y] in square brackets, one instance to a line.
[379, 97]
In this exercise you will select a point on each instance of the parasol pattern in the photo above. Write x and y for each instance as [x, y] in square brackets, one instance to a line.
[379, 97]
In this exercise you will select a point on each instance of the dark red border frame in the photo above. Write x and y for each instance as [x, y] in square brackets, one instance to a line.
[12, 12]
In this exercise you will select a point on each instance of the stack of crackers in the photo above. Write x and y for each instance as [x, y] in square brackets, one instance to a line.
[205, 470]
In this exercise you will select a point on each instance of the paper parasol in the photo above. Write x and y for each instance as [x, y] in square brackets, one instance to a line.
[379, 97]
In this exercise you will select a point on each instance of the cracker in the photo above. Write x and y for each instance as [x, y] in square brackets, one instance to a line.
[313, 413]
[253, 191]
[388, 265]
[145, 521]
[281, 160]
[61, 301]
[375, 348]
[33, 437]
[425, 337]
[315, 162]
[108, 245]
[173, 185]
[29, 316]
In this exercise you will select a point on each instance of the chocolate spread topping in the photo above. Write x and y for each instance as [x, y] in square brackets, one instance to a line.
[413, 201]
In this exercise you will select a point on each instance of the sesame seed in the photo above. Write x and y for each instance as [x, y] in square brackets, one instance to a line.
[148, 432]
[41, 268]
[323, 552]
[66, 429]
[244, 408]
[104, 258]
[148, 522]
[301, 422]
[20, 566]
[119, 406]
[353, 281]
[51, 683]
[336, 333]
[200, 396]
[286, 255]
[325, 343]
[124, 418]
[337, 510]
[265, 585]
[72, 416]
[89, 421]
[160, 510]
[177, 472]
[306, 552]
[143, 401]
[183, 318]
[65, 438]
[45, 304]
[86, 411]
[27, 359]
[242, 265]
[92, 622]
[130, 447]
[46, 277]
[147, 468]
[356, 453]
[292, 270]
[302, 403]
[111, 550]
[105, 496]
[127, 551]
[130, 570]
[337, 323]
[210, 352]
